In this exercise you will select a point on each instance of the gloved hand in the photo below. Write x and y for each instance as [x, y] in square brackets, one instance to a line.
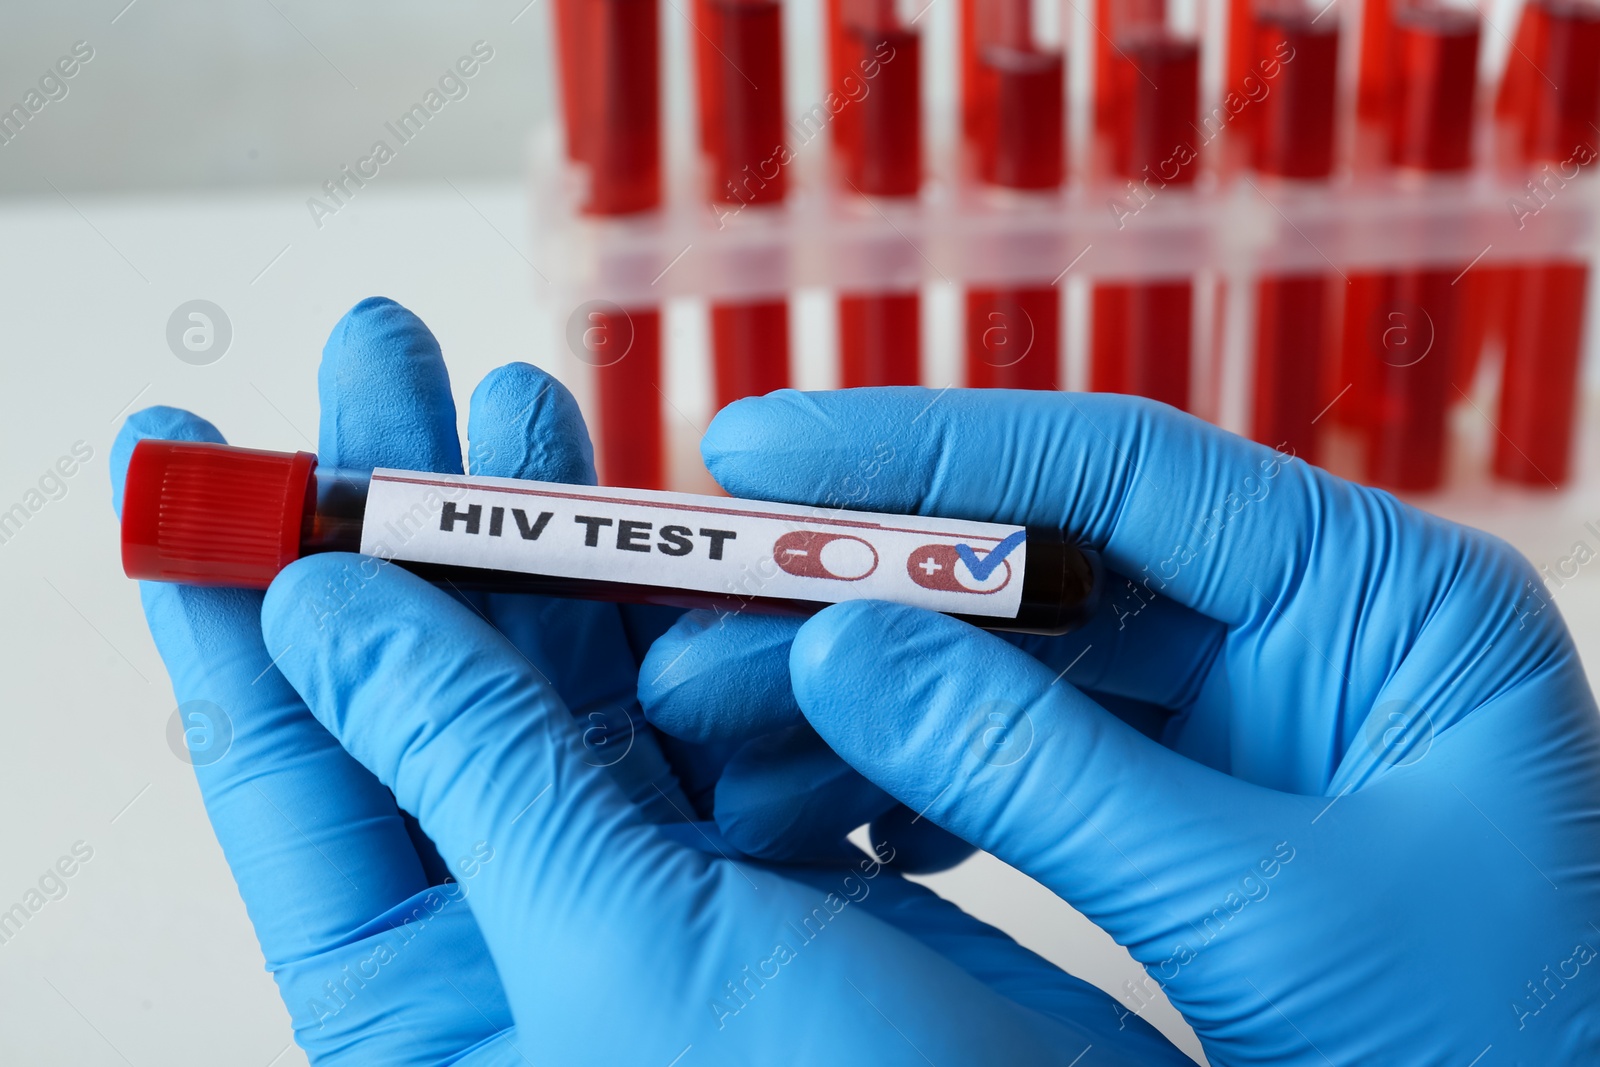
[1368, 831]
[576, 915]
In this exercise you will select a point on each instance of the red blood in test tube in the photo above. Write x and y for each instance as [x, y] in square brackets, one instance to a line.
[1153, 320]
[1158, 74]
[1143, 333]
[1241, 56]
[879, 333]
[1013, 338]
[572, 55]
[1112, 19]
[1293, 325]
[750, 346]
[1515, 98]
[987, 24]
[1411, 359]
[1375, 81]
[1294, 134]
[1565, 104]
[620, 106]
[1293, 138]
[1484, 318]
[1352, 406]
[1539, 394]
[630, 399]
[1545, 311]
[880, 339]
[975, 92]
[741, 54]
[844, 81]
[1433, 97]
[740, 45]
[1022, 139]
[887, 158]
[1013, 334]
[1412, 346]
[610, 77]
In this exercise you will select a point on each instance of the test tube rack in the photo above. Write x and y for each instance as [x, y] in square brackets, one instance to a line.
[1227, 231]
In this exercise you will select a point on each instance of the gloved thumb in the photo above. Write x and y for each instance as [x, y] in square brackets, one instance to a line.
[983, 740]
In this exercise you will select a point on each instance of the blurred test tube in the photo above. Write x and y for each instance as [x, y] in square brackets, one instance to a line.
[1294, 141]
[1554, 107]
[1014, 103]
[609, 53]
[1148, 86]
[1413, 344]
[878, 139]
[1374, 86]
[739, 46]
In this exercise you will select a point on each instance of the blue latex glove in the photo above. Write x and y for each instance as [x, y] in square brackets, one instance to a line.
[550, 903]
[1369, 832]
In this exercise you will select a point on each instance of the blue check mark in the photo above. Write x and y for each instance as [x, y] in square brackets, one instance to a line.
[982, 568]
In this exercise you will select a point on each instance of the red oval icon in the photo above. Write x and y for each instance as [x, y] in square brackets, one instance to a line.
[940, 567]
[813, 554]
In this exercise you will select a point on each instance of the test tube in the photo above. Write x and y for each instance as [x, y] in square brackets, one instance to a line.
[879, 142]
[1423, 312]
[215, 515]
[1015, 97]
[1294, 140]
[1375, 83]
[1149, 79]
[1559, 110]
[1489, 284]
[740, 62]
[609, 53]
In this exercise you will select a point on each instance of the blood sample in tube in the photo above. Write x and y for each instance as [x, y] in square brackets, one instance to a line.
[1514, 101]
[1294, 139]
[214, 515]
[610, 78]
[880, 339]
[740, 45]
[1113, 18]
[881, 156]
[886, 159]
[1376, 78]
[1017, 103]
[1413, 350]
[620, 106]
[1239, 65]
[629, 394]
[1545, 310]
[1142, 333]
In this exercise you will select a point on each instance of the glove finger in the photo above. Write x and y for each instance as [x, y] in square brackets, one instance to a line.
[787, 797]
[522, 423]
[719, 677]
[1162, 495]
[1142, 647]
[726, 677]
[585, 895]
[386, 402]
[386, 394]
[980, 738]
[314, 840]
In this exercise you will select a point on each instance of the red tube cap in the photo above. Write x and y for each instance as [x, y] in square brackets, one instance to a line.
[204, 514]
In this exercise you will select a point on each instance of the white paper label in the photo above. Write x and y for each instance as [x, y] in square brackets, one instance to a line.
[739, 548]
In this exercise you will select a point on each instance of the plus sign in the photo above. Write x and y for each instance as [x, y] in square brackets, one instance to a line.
[929, 566]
